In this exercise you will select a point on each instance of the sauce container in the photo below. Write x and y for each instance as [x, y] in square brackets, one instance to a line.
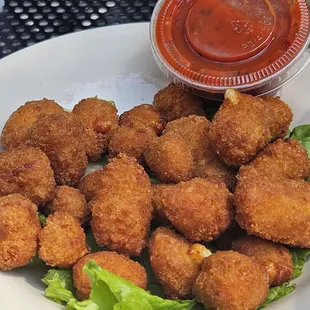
[253, 46]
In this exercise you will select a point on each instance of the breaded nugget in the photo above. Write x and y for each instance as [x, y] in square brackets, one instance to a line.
[200, 209]
[62, 241]
[244, 125]
[99, 118]
[194, 130]
[170, 158]
[144, 115]
[132, 141]
[27, 171]
[118, 264]
[173, 102]
[275, 209]
[122, 210]
[175, 262]
[61, 137]
[231, 281]
[276, 258]
[282, 158]
[70, 200]
[19, 229]
[16, 129]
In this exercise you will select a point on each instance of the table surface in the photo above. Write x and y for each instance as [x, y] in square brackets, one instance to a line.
[26, 22]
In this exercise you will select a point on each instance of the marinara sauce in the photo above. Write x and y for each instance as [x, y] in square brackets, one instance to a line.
[216, 44]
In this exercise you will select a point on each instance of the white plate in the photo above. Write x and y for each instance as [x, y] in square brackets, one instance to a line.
[114, 63]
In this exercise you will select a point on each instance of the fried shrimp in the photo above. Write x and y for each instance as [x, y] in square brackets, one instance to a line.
[244, 125]
[62, 241]
[276, 258]
[16, 130]
[27, 171]
[61, 137]
[19, 229]
[175, 262]
[118, 264]
[99, 118]
[231, 281]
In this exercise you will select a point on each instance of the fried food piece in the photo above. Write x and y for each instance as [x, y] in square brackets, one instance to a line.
[70, 200]
[275, 209]
[194, 130]
[132, 141]
[118, 264]
[276, 258]
[200, 209]
[62, 241]
[122, 210]
[27, 171]
[231, 281]
[99, 118]
[16, 130]
[144, 115]
[19, 229]
[170, 159]
[173, 102]
[244, 125]
[282, 158]
[175, 262]
[61, 137]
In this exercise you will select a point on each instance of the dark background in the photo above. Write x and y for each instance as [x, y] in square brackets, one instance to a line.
[26, 22]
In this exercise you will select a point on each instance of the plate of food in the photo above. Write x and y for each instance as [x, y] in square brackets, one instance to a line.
[120, 190]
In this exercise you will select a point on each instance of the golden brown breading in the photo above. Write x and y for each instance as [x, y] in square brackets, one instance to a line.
[15, 131]
[27, 171]
[19, 229]
[194, 130]
[170, 158]
[62, 241]
[70, 200]
[173, 102]
[275, 209]
[175, 262]
[144, 115]
[276, 258]
[118, 264]
[231, 281]
[122, 211]
[61, 137]
[99, 118]
[200, 209]
[244, 125]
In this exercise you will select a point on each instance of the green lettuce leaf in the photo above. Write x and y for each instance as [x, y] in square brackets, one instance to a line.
[42, 218]
[299, 259]
[302, 134]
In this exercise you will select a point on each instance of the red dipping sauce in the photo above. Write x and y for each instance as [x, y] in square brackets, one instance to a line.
[254, 46]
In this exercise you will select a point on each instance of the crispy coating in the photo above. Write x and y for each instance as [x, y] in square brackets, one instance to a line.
[16, 130]
[144, 115]
[27, 171]
[170, 158]
[132, 141]
[194, 130]
[244, 125]
[200, 209]
[61, 137]
[62, 241]
[275, 209]
[19, 229]
[70, 200]
[276, 258]
[173, 264]
[173, 102]
[99, 118]
[231, 281]
[118, 264]
[122, 211]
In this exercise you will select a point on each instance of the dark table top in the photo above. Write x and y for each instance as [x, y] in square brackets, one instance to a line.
[26, 22]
